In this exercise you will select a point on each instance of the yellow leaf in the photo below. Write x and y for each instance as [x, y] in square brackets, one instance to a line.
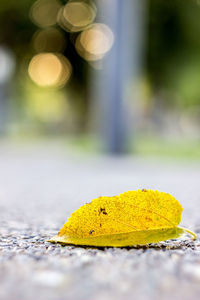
[132, 218]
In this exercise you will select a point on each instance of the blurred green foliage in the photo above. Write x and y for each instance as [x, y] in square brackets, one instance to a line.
[173, 52]
[172, 64]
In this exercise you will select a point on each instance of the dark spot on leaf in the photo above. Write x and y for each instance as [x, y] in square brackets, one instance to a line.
[103, 211]
[148, 219]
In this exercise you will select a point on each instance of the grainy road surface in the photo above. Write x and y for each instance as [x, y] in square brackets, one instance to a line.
[40, 185]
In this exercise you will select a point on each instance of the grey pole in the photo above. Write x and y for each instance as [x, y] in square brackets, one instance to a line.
[120, 68]
[7, 65]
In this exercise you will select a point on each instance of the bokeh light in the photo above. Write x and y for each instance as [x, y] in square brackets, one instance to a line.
[93, 43]
[50, 70]
[76, 15]
[44, 12]
[7, 63]
[49, 40]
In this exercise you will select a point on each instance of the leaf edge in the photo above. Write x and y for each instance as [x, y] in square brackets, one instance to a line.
[152, 236]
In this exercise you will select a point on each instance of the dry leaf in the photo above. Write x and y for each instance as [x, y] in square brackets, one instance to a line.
[132, 218]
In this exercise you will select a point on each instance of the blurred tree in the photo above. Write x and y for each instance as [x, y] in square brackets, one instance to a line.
[173, 51]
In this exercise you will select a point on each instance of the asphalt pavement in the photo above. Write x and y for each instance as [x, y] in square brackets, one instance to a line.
[42, 183]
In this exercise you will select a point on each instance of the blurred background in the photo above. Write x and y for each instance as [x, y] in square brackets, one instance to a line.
[97, 97]
[102, 75]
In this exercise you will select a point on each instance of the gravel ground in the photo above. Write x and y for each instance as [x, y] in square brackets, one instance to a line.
[40, 185]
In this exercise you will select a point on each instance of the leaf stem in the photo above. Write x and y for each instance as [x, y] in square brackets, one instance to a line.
[194, 236]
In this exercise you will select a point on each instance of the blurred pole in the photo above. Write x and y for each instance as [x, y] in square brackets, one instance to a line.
[7, 64]
[121, 67]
